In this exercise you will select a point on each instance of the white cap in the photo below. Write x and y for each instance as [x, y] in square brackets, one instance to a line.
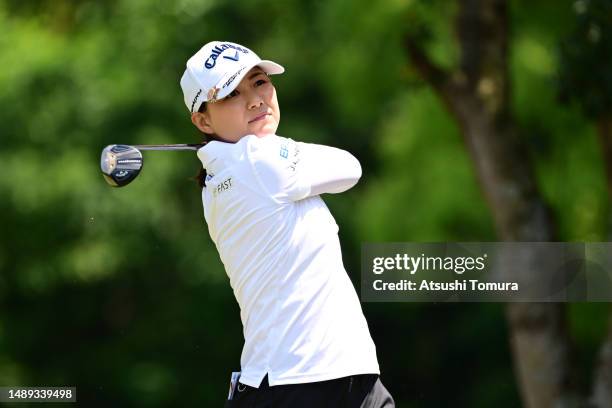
[216, 69]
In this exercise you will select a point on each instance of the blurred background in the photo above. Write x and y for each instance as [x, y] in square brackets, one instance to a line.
[120, 292]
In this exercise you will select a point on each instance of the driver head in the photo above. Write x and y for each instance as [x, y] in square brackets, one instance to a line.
[120, 164]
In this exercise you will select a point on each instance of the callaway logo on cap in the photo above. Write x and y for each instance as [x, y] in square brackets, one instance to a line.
[216, 69]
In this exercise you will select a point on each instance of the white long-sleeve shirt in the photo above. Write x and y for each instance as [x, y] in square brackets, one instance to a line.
[279, 244]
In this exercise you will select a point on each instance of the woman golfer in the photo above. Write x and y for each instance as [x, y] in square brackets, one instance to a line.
[306, 341]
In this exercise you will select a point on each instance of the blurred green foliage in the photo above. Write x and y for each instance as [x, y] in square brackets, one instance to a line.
[120, 291]
[586, 58]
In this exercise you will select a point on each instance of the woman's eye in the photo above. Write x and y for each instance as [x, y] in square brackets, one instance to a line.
[232, 94]
[260, 82]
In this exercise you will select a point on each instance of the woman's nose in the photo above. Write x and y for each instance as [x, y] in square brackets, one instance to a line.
[255, 100]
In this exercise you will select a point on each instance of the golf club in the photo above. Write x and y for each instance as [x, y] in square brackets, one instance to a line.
[121, 164]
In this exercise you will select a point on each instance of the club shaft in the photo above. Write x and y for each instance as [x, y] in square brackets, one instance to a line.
[169, 147]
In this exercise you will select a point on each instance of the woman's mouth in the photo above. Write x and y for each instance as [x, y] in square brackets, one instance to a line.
[259, 117]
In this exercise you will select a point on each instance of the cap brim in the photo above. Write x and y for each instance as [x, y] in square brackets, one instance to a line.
[269, 67]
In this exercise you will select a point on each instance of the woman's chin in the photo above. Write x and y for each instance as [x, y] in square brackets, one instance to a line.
[264, 130]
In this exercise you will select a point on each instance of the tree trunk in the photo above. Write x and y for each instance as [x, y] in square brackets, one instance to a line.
[602, 385]
[477, 96]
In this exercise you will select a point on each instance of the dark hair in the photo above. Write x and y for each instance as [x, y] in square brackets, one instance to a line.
[200, 178]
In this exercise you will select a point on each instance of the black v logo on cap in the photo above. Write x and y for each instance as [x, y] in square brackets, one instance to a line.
[234, 58]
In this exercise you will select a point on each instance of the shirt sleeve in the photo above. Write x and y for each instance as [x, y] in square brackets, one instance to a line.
[326, 169]
[291, 171]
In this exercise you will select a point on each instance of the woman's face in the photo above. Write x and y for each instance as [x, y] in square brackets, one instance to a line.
[251, 109]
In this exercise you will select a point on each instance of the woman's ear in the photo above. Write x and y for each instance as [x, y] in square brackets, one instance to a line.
[201, 120]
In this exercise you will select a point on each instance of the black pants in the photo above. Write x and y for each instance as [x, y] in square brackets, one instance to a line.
[357, 391]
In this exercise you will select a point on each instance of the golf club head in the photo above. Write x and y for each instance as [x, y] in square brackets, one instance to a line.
[120, 164]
